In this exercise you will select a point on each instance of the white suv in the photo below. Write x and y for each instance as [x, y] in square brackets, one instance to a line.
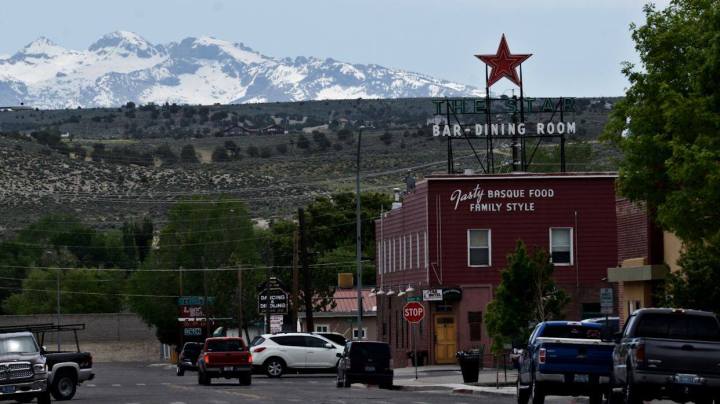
[275, 353]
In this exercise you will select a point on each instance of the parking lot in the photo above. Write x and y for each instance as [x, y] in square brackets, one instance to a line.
[134, 383]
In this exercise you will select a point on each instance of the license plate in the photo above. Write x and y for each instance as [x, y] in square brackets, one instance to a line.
[581, 378]
[7, 389]
[228, 368]
[687, 379]
[369, 368]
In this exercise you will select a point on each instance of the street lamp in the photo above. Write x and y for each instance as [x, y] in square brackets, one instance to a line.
[358, 236]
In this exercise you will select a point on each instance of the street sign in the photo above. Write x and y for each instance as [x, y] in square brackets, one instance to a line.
[192, 332]
[414, 298]
[607, 303]
[432, 295]
[276, 323]
[191, 311]
[273, 301]
[194, 300]
[413, 312]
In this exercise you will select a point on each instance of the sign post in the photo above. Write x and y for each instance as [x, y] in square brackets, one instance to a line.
[414, 312]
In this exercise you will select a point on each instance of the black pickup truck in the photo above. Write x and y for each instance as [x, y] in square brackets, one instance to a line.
[66, 369]
[667, 353]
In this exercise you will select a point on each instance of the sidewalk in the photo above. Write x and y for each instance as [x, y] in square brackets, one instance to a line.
[449, 377]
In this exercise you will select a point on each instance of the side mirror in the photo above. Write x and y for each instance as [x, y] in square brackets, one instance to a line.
[329, 346]
[43, 350]
[339, 355]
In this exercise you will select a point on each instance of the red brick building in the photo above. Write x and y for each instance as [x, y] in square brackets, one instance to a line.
[449, 238]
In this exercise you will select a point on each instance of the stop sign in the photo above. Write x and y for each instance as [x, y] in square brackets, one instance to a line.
[413, 312]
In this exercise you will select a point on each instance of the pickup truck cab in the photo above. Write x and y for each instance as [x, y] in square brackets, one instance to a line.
[227, 357]
[668, 353]
[23, 372]
[564, 358]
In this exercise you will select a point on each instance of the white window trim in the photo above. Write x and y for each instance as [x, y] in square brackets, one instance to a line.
[327, 326]
[364, 333]
[572, 246]
[489, 231]
[417, 250]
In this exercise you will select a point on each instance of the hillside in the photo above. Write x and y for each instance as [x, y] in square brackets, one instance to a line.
[107, 173]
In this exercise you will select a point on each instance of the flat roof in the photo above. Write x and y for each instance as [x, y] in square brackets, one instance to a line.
[521, 175]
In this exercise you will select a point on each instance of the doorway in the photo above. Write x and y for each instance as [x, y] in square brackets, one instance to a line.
[445, 338]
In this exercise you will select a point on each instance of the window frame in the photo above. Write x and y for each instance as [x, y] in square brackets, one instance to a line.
[364, 333]
[327, 327]
[489, 248]
[572, 246]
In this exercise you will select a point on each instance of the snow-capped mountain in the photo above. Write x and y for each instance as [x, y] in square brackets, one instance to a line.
[123, 66]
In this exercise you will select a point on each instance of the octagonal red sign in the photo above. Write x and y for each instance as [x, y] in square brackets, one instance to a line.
[414, 312]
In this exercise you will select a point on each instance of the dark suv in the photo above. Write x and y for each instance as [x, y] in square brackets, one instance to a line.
[23, 372]
[367, 362]
[187, 360]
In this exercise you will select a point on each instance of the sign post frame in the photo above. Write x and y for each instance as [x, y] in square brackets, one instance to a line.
[414, 313]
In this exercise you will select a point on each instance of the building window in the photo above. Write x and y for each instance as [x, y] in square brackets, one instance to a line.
[479, 248]
[475, 323]
[561, 245]
[322, 328]
[364, 333]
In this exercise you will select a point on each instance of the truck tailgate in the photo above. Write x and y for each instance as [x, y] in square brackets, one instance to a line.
[678, 356]
[566, 355]
[217, 359]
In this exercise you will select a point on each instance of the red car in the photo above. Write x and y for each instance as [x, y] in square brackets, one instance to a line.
[227, 358]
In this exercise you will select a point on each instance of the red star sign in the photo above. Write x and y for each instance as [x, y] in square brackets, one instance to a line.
[503, 64]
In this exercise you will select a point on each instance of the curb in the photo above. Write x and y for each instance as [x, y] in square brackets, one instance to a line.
[466, 391]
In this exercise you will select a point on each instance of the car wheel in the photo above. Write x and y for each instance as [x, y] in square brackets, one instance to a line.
[338, 381]
[274, 367]
[523, 395]
[346, 381]
[386, 385]
[246, 379]
[44, 398]
[630, 394]
[537, 396]
[64, 386]
[179, 371]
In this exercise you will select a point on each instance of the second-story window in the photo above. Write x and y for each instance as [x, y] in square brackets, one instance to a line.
[479, 248]
[561, 245]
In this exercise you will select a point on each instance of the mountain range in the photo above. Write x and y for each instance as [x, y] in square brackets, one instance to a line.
[122, 66]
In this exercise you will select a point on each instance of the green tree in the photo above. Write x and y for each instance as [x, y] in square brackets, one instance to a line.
[201, 233]
[188, 154]
[667, 127]
[220, 154]
[527, 294]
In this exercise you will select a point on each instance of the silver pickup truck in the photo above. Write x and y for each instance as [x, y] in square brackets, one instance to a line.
[667, 353]
[23, 372]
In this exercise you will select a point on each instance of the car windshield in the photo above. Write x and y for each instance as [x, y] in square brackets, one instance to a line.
[193, 348]
[18, 345]
[570, 331]
[678, 326]
[230, 345]
[336, 338]
[257, 341]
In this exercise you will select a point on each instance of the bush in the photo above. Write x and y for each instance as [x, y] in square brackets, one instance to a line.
[281, 148]
[303, 142]
[165, 153]
[253, 151]
[188, 154]
[265, 152]
[220, 154]
[386, 138]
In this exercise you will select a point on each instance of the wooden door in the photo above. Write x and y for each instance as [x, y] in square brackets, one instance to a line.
[445, 338]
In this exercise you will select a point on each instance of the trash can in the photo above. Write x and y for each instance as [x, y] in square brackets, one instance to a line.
[469, 362]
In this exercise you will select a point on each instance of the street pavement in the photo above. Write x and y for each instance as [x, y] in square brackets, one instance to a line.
[135, 383]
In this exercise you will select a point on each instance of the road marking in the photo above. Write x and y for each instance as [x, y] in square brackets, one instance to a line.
[117, 385]
[141, 384]
[91, 385]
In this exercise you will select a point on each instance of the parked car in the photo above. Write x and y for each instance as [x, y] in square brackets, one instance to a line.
[23, 368]
[66, 369]
[226, 357]
[274, 354]
[187, 360]
[611, 323]
[564, 358]
[334, 337]
[367, 362]
[668, 353]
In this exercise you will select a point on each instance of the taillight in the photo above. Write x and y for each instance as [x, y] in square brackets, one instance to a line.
[206, 358]
[259, 349]
[542, 353]
[250, 359]
[640, 353]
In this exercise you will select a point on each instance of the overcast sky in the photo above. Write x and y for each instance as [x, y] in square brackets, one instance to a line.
[577, 45]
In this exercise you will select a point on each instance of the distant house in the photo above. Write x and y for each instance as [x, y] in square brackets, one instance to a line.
[342, 318]
[273, 130]
[238, 130]
[11, 108]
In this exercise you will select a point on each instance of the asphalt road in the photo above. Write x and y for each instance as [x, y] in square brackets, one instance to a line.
[142, 384]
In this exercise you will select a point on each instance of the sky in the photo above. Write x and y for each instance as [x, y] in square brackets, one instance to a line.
[577, 45]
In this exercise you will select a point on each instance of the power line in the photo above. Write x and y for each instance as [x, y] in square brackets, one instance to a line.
[67, 292]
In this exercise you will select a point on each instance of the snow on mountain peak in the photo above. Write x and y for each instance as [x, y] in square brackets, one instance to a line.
[42, 47]
[237, 51]
[124, 43]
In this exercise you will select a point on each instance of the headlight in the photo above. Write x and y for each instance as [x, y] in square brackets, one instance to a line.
[40, 368]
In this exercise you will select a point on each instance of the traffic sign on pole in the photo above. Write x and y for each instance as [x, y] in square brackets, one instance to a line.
[413, 312]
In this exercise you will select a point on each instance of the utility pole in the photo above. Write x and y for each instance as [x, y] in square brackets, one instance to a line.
[307, 284]
[240, 300]
[206, 312]
[295, 284]
[358, 239]
[267, 282]
[59, 315]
